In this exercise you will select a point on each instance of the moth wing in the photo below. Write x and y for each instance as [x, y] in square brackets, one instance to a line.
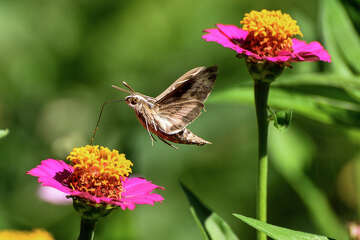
[182, 102]
[195, 84]
[174, 117]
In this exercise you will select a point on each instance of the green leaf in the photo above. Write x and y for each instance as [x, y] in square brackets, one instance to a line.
[320, 97]
[343, 32]
[198, 210]
[352, 9]
[330, 85]
[338, 64]
[322, 109]
[279, 233]
[211, 225]
[4, 132]
[321, 79]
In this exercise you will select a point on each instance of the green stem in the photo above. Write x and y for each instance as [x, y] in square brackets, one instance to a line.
[87, 229]
[261, 91]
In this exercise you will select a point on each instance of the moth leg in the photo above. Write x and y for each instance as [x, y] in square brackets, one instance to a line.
[168, 143]
[154, 125]
[151, 136]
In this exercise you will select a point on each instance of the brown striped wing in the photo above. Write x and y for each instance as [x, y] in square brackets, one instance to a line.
[174, 117]
[175, 85]
[182, 102]
[195, 84]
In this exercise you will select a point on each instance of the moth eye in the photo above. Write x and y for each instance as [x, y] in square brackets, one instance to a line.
[134, 101]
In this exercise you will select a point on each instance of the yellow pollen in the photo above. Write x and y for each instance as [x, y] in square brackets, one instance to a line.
[269, 32]
[98, 171]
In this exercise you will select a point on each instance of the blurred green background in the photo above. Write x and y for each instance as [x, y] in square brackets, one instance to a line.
[58, 60]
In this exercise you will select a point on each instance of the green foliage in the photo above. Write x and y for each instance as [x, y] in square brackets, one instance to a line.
[4, 132]
[291, 152]
[325, 98]
[341, 35]
[352, 7]
[279, 233]
[211, 225]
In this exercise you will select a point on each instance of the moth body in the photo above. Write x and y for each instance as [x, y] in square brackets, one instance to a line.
[185, 136]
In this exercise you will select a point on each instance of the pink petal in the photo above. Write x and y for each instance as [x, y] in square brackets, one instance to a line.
[215, 35]
[52, 173]
[138, 191]
[229, 36]
[309, 52]
[280, 58]
[92, 198]
[233, 32]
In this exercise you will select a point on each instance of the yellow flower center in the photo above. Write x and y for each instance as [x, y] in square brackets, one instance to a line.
[98, 171]
[269, 32]
[36, 234]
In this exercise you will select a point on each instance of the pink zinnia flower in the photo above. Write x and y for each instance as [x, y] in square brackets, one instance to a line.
[98, 176]
[267, 35]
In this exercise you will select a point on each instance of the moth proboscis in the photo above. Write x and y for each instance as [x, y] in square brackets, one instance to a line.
[168, 114]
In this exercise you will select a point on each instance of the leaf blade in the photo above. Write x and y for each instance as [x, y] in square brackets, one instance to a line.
[279, 233]
[211, 225]
[315, 102]
[343, 32]
[338, 64]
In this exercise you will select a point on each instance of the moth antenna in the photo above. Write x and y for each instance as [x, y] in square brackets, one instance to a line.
[121, 89]
[128, 86]
[100, 114]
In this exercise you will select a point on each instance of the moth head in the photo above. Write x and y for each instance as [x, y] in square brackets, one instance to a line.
[132, 100]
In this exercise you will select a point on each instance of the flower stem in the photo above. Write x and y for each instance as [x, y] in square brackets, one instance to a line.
[87, 229]
[261, 90]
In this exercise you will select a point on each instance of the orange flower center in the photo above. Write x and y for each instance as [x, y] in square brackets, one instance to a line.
[269, 32]
[98, 171]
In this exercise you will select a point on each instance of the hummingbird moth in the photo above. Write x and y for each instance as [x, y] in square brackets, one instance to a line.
[168, 114]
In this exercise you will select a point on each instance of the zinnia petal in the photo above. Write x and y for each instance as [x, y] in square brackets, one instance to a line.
[312, 51]
[279, 58]
[52, 173]
[215, 35]
[233, 32]
[139, 191]
[228, 36]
